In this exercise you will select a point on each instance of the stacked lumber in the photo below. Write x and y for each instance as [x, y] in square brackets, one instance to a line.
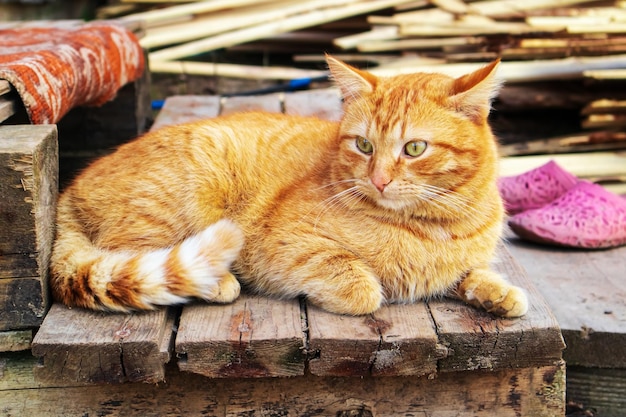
[174, 34]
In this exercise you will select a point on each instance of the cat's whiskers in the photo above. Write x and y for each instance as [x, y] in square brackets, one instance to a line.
[349, 195]
[334, 200]
[333, 184]
[446, 199]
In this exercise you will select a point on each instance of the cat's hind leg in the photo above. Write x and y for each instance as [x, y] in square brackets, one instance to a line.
[484, 288]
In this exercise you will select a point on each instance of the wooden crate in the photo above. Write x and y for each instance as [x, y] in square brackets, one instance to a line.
[28, 185]
[261, 356]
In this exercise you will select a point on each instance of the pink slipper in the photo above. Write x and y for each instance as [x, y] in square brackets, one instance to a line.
[535, 188]
[587, 216]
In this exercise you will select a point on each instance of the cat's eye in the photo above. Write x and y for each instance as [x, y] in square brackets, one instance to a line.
[364, 145]
[415, 148]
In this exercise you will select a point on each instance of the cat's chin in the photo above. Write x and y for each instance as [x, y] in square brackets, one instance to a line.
[391, 204]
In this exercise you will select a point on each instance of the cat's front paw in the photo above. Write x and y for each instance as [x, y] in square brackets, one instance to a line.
[354, 294]
[485, 289]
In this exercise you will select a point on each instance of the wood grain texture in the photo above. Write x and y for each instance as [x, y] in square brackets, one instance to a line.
[325, 104]
[7, 108]
[586, 291]
[28, 182]
[395, 340]
[478, 340]
[182, 109]
[602, 390]
[252, 337]
[536, 392]
[29, 188]
[82, 347]
[23, 302]
[15, 340]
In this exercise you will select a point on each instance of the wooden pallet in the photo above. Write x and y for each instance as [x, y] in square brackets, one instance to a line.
[439, 357]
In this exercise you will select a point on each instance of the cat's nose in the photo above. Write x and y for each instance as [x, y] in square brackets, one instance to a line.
[380, 182]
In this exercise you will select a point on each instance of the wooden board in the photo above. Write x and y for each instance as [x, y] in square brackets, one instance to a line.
[83, 347]
[601, 390]
[7, 108]
[28, 185]
[478, 340]
[252, 337]
[181, 109]
[536, 392]
[325, 104]
[15, 340]
[586, 291]
[396, 340]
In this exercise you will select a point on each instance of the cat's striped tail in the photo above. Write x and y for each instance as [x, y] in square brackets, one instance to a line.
[83, 275]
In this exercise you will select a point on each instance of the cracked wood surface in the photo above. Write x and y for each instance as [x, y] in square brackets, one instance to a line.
[249, 338]
[536, 392]
[82, 347]
[28, 195]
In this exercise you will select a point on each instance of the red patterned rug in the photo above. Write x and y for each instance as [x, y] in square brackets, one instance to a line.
[57, 66]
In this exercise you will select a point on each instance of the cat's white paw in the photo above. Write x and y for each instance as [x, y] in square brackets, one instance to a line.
[207, 258]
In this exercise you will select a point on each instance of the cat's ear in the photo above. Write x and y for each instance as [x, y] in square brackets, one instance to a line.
[472, 93]
[352, 82]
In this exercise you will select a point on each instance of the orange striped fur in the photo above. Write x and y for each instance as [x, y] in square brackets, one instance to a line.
[396, 203]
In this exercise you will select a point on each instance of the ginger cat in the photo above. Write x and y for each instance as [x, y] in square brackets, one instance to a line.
[395, 203]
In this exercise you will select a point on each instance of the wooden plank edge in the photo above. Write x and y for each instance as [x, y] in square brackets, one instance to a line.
[15, 340]
[253, 337]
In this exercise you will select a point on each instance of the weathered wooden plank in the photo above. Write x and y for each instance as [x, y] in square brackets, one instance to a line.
[268, 102]
[252, 337]
[15, 340]
[601, 390]
[341, 345]
[331, 12]
[28, 186]
[325, 104]
[23, 302]
[7, 108]
[586, 292]
[181, 109]
[82, 347]
[536, 392]
[396, 340]
[28, 181]
[478, 340]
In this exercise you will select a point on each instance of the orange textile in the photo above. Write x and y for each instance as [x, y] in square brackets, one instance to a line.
[55, 67]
